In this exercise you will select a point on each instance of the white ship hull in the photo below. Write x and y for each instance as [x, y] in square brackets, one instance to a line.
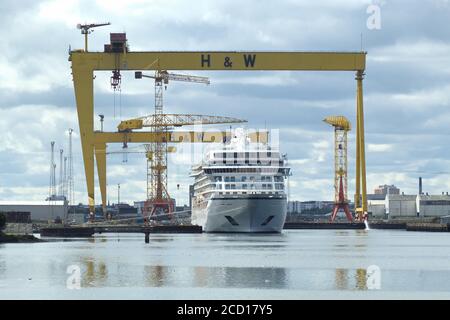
[246, 213]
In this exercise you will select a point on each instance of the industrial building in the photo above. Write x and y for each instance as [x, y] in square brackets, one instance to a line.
[433, 205]
[297, 207]
[385, 189]
[401, 205]
[377, 205]
[39, 210]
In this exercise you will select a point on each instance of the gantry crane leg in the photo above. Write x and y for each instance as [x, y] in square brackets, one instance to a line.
[360, 146]
[84, 94]
[100, 158]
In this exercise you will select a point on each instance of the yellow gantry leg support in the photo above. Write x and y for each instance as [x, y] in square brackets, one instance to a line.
[100, 157]
[358, 160]
[84, 94]
[360, 146]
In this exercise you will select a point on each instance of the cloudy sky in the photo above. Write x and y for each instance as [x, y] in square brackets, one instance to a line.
[407, 87]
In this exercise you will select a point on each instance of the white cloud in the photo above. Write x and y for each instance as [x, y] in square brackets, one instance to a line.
[379, 147]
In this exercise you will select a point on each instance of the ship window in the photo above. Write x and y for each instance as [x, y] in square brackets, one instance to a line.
[221, 193]
[227, 186]
[244, 186]
[232, 179]
[244, 192]
[233, 186]
[235, 155]
[219, 186]
[263, 185]
[235, 193]
[218, 178]
[243, 178]
[269, 186]
[227, 179]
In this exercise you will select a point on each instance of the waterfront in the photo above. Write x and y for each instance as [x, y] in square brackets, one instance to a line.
[297, 264]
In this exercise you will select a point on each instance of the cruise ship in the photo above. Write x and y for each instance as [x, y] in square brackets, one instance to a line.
[240, 187]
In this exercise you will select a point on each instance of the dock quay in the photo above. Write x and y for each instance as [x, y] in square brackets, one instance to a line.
[428, 227]
[88, 231]
[388, 225]
[324, 225]
[64, 232]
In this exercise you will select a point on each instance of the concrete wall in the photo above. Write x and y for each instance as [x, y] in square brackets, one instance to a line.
[377, 210]
[18, 228]
[401, 206]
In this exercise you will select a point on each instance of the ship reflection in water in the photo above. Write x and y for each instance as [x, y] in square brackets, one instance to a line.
[294, 264]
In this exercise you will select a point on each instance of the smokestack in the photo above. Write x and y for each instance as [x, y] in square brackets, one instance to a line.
[420, 185]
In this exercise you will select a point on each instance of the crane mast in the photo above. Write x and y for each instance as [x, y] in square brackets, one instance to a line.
[341, 127]
[158, 198]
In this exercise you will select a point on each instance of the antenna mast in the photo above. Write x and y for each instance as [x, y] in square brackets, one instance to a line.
[70, 183]
[86, 29]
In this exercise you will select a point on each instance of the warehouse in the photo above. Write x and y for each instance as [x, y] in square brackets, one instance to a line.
[39, 210]
[401, 205]
[433, 205]
[377, 205]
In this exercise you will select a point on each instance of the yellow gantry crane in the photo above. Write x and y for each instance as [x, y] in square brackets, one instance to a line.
[117, 57]
[341, 128]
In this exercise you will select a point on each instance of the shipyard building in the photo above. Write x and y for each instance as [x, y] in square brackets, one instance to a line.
[39, 210]
[387, 202]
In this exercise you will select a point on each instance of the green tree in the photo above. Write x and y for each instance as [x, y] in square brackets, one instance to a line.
[2, 220]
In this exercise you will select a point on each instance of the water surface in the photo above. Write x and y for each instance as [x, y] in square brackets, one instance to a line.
[297, 264]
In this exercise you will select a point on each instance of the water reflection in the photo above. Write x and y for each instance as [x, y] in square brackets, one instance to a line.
[344, 279]
[222, 277]
[361, 279]
[95, 273]
[341, 279]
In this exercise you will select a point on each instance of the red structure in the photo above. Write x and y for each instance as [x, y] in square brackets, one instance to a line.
[341, 204]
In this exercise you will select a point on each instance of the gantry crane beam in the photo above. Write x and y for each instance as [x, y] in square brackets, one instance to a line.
[85, 63]
[224, 60]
